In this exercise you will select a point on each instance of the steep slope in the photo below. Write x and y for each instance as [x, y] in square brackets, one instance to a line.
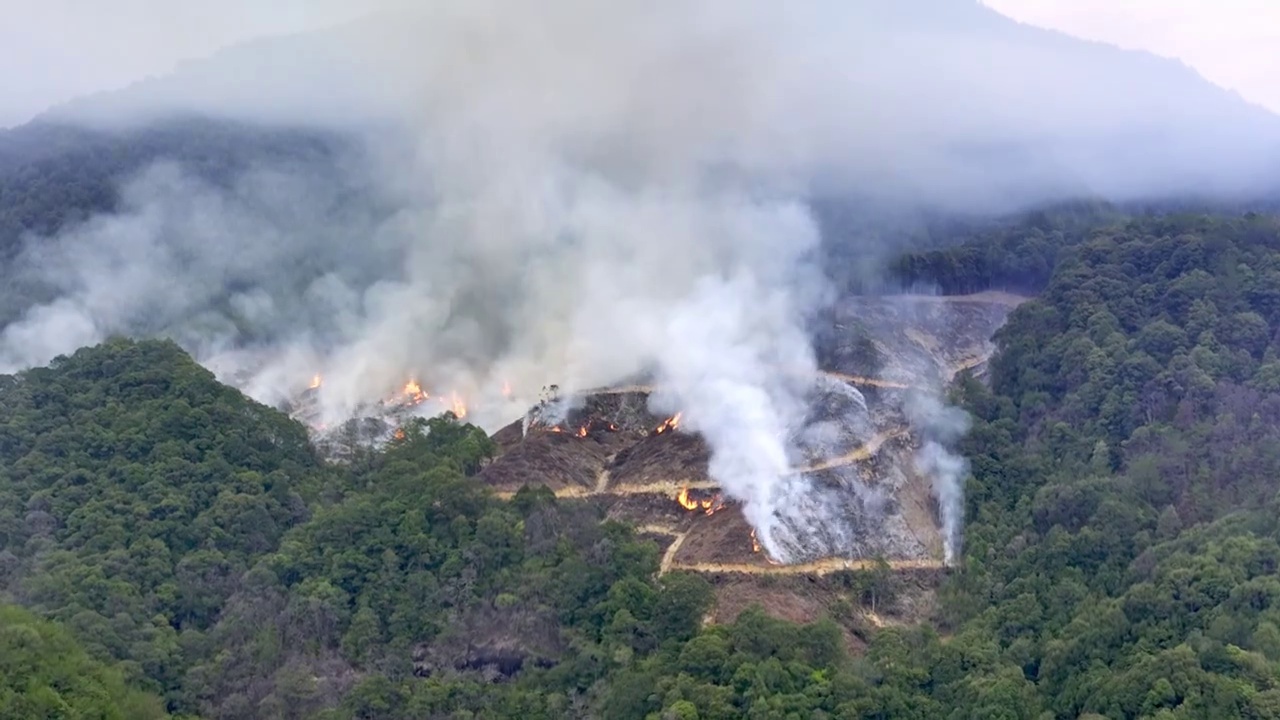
[859, 448]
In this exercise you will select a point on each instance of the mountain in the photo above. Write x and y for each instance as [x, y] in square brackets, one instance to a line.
[170, 536]
[928, 97]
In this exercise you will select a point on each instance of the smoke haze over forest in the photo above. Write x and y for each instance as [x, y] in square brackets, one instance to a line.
[574, 192]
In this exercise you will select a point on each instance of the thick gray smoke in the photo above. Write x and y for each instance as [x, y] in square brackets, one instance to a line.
[591, 193]
[575, 192]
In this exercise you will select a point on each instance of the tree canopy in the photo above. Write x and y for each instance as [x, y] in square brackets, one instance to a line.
[179, 548]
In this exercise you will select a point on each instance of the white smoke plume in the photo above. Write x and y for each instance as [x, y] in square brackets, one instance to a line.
[574, 192]
[587, 195]
[940, 426]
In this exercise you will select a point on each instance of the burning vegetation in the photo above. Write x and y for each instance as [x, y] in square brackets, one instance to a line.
[669, 425]
[592, 425]
[412, 394]
[755, 548]
[709, 506]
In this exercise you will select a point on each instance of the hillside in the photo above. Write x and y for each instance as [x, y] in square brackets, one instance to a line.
[1120, 542]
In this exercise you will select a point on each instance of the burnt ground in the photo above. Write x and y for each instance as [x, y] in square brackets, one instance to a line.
[671, 457]
[856, 453]
[918, 340]
[558, 460]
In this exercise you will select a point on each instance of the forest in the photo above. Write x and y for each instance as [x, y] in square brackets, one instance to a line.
[169, 547]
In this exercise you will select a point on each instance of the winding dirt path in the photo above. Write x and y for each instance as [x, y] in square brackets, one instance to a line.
[868, 381]
[669, 487]
[863, 452]
[818, 567]
[668, 557]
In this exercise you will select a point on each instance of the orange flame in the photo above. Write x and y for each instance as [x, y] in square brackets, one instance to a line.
[710, 507]
[685, 502]
[456, 404]
[585, 429]
[399, 434]
[413, 391]
[755, 548]
[506, 389]
[315, 382]
[671, 423]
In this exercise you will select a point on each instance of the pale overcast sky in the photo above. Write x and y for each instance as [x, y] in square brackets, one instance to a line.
[1234, 43]
[53, 50]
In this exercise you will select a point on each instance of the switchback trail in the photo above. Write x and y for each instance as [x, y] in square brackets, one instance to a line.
[817, 567]
[863, 452]
[669, 556]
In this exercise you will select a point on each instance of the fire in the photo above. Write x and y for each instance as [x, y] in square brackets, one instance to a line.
[671, 423]
[708, 507]
[456, 404]
[585, 429]
[315, 382]
[399, 434]
[685, 502]
[755, 548]
[413, 391]
[413, 394]
[506, 389]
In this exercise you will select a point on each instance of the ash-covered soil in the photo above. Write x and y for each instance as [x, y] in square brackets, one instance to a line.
[859, 494]
[671, 457]
[862, 496]
[559, 460]
[912, 339]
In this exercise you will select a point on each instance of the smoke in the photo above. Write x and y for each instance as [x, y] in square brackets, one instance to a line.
[940, 427]
[575, 192]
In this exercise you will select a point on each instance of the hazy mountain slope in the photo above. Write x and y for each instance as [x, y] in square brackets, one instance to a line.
[919, 98]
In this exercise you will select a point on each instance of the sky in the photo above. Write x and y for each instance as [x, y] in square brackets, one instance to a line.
[1233, 43]
[55, 50]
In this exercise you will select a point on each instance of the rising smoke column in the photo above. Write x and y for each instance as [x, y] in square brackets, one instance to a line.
[940, 426]
[578, 192]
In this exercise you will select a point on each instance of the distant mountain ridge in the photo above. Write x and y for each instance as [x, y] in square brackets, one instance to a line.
[957, 100]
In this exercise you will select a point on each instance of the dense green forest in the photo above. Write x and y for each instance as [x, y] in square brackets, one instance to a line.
[53, 175]
[175, 540]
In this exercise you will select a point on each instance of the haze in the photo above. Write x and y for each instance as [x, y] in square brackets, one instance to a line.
[57, 50]
[578, 192]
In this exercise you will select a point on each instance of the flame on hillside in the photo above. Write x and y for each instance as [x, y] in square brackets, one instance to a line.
[413, 392]
[315, 382]
[456, 404]
[585, 429]
[709, 506]
[671, 423]
[755, 548]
